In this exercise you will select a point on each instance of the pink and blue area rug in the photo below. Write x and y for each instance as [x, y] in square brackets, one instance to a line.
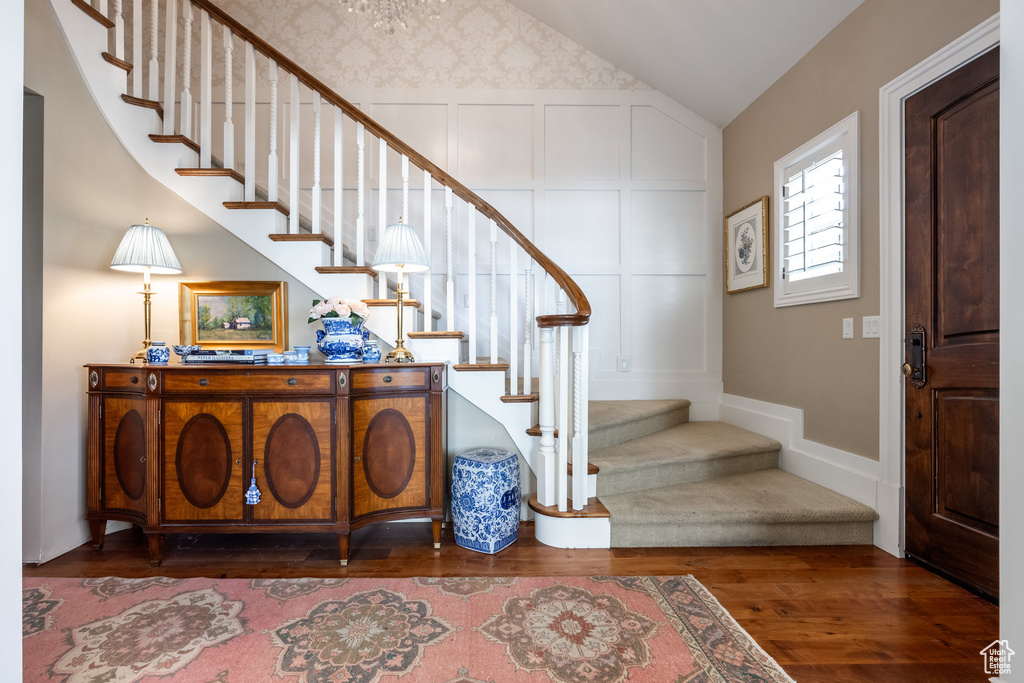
[664, 629]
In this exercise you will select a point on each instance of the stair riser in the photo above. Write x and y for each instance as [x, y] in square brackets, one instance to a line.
[753, 534]
[683, 472]
[615, 434]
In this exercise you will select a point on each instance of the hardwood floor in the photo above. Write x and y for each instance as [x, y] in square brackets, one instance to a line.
[835, 613]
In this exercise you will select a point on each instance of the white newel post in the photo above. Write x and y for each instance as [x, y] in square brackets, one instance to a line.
[360, 194]
[118, 30]
[513, 316]
[170, 64]
[315, 208]
[186, 77]
[494, 293]
[250, 122]
[137, 48]
[580, 391]
[471, 277]
[229, 100]
[449, 283]
[154, 43]
[562, 421]
[546, 454]
[272, 164]
[339, 190]
[382, 212]
[528, 327]
[293, 154]
[205, 90]
[428, 311]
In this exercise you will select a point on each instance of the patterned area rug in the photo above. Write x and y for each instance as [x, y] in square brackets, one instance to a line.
[435, 630]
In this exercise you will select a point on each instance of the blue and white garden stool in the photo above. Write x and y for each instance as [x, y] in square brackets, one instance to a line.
[485, 500]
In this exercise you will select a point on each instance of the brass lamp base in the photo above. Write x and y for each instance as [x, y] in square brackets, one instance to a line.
[399, 354]
[138, 356]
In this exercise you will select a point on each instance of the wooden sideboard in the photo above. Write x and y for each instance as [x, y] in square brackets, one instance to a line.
[173, 448]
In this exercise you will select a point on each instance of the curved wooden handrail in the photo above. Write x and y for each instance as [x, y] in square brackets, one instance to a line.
[568, 285]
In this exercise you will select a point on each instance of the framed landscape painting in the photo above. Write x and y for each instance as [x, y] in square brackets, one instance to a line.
[746, 247]
[234, 315]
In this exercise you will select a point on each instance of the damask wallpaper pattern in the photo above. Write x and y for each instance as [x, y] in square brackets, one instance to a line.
[478, 44]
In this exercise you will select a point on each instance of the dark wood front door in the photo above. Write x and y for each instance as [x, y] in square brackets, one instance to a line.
[952, 324]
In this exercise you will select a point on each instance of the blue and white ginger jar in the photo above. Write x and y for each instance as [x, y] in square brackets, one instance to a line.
[157, 353]
[485, 500]
[340, 341]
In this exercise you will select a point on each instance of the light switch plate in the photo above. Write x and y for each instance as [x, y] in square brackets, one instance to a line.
[870, 329]
[847, 328]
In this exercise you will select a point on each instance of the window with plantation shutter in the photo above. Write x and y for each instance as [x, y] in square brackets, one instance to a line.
[816, 218]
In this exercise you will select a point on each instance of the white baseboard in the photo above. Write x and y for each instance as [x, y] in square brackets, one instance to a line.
[849, 474]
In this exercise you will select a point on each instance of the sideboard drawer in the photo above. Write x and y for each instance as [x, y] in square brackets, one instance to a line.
[123, 379]
[198, 381]
[390, 378]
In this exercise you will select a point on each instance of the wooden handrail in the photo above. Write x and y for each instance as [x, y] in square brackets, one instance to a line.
[568, 285]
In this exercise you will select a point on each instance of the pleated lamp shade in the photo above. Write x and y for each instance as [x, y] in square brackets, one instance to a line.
[400, 251]
[145, 248]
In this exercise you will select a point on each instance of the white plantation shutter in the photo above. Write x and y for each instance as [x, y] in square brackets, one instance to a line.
[816, 219]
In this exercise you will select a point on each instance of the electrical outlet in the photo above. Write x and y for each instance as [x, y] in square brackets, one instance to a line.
[371, 233]
[847, 328]
[623, 363]
[871, 324]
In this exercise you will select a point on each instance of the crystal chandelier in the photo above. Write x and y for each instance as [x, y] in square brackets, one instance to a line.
[387, 14]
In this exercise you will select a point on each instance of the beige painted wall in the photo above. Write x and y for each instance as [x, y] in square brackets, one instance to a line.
[835, 381]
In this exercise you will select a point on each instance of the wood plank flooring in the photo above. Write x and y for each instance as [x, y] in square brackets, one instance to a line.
[835, 613]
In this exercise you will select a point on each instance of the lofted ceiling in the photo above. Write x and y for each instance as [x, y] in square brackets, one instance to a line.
[713, 56]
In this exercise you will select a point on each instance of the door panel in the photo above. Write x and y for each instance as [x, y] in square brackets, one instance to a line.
[389, 454]
[124, 454]
[952, 293]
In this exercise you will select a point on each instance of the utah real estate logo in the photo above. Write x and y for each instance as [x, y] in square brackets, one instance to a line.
[997, 657]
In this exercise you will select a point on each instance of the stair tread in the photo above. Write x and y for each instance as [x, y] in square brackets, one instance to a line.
[764, 497]
[593, 508]
[694, 441]
[608, 414]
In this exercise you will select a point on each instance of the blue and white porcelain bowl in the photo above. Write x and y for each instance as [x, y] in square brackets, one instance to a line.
[275, 358]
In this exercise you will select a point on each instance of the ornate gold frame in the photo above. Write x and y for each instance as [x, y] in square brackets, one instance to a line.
[188, 296]
[756, 211]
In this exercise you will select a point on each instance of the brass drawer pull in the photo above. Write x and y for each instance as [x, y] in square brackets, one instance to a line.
[204, 382]
[388, 379]
[357, 458]
[292, 381]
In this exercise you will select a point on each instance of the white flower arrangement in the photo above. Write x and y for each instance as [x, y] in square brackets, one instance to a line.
[353, 310]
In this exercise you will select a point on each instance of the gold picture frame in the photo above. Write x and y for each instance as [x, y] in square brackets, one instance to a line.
[746, 247]
[234, 315]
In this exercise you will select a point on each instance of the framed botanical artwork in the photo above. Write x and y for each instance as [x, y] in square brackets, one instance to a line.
[746, 247]
[234, 315]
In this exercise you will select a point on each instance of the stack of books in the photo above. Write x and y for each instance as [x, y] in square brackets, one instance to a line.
[237, 356]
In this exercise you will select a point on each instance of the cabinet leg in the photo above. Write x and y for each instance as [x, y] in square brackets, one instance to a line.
[435, 525]
[343, 549]
[98, 528]
[156, 549]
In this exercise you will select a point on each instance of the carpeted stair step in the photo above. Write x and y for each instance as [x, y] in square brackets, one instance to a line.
[685, 452]
[769, 507]
[613, 422]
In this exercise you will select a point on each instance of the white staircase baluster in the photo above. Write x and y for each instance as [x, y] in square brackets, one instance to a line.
[449, 283]
[513, 317]
[118, 30]
[546, 467]
[205, 90]
[137, 48]
[186, 76]
[339, 189]
[293, 153]
[494, 293]
[562, 466]
[316, 164]
[229, 100]
[154, 43]
[528, 324]
[250, 122]
[382, 212]
[102, 7]
[405, 190]
[471, 277]
[360, 194]
[580, 446]
[170, 64]
[272, 163]
[428, 311]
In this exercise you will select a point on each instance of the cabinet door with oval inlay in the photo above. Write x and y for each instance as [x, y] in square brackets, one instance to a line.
[292, 442]
[203, 461]
[389, 454]
[124, 454]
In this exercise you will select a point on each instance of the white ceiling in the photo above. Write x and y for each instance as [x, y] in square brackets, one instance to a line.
[713, 56]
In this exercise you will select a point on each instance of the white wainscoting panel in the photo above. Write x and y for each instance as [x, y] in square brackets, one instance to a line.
[582, 228]
[667, 332]
[495, 141]
[669, 228]
[425, 128]
[665, 149]
[581, 142]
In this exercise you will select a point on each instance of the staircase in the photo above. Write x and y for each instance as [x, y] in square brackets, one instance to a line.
[664, 481]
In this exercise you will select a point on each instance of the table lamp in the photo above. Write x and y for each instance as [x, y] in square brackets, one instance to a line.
[145, 249]
[400, 251]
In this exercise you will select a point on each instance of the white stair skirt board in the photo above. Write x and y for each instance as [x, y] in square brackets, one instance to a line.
[851, 475]
[573, 532]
